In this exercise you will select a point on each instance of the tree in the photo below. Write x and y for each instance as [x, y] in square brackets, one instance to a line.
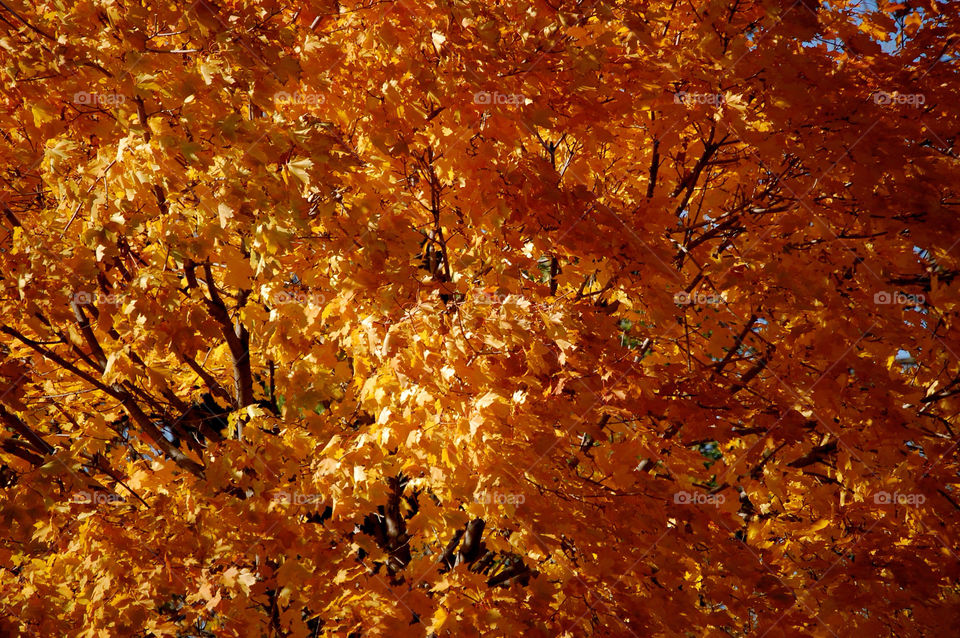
[472, 318]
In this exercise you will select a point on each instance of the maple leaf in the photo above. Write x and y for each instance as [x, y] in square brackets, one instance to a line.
[504, 318]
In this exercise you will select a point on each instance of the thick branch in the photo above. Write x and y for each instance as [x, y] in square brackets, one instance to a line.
[237, 338]
[84, 323]
[14, 423]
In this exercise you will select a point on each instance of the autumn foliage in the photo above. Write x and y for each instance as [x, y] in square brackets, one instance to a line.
[479, 318]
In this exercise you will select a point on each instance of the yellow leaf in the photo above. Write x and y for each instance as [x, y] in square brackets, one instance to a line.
[225, 213]
[359, 474]
[439, 618]
[299, 169]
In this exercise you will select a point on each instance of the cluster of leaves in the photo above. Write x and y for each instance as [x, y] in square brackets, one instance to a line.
[461, 317]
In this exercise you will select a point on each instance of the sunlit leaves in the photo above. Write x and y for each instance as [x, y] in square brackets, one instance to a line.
[297, 300]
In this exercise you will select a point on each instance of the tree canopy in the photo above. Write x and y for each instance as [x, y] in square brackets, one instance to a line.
[475, 318]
